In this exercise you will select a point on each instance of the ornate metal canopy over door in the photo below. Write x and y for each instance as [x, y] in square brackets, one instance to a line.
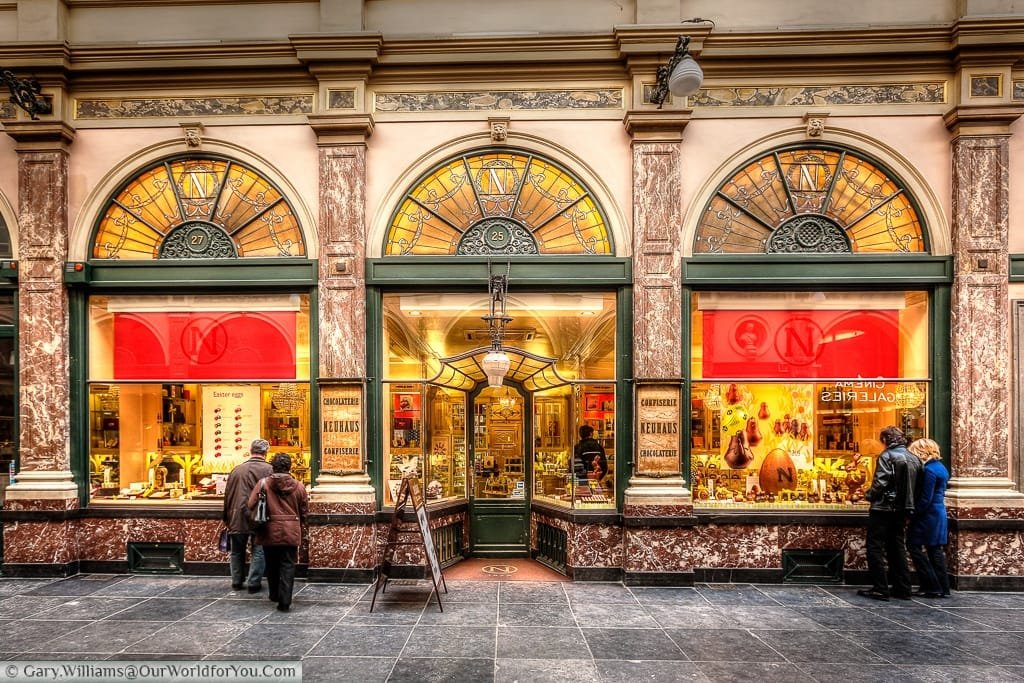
[505, 202]
[810, 200]
[198, 208]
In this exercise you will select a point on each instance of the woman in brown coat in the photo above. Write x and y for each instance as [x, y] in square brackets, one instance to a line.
[287, 503]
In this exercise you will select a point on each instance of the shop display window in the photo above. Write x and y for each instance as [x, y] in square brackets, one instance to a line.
[792, 390]
[181, 385]
[561, 476]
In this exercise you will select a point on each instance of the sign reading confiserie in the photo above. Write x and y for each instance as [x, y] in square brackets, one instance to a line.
[658, 418]
[341, 420]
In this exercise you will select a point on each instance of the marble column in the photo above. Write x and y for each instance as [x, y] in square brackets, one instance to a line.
[657, 305]
[44, 480]
[982, 495]
[341, 139]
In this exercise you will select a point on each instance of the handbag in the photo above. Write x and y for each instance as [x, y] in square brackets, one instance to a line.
[260, 515]
[223, 540]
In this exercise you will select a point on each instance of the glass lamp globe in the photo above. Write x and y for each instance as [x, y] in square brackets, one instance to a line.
[686, 78]
[495, 365]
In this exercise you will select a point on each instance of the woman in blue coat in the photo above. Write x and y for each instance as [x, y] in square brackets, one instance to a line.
[928, 532]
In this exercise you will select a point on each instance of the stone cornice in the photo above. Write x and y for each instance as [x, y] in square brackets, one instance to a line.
[40, 136]
[341, 129]
[982, 119]
[651, 125]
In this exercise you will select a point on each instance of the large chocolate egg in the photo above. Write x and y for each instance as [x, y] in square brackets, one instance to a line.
[777, 472]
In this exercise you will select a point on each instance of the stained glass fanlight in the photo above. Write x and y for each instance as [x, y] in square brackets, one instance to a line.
[810, 200]
[498, 202]
[198, 207]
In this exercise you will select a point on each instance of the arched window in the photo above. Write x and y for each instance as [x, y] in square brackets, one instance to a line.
[498, 202]
[203, 207]
[811, 200]
[6, 249]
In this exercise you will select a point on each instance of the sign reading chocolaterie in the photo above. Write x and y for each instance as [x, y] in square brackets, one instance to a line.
[657, 426]
[341, 428]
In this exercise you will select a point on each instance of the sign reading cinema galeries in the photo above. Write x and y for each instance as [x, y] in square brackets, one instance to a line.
[341, 420]
[658, 418]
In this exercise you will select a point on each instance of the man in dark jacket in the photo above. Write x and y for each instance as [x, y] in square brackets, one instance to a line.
[588, 455]
[240, 482]
[892, 502]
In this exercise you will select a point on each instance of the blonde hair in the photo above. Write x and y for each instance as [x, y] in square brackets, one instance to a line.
[926, 449]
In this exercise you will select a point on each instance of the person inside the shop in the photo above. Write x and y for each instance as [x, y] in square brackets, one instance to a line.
[240, 483]
[589, 458]
[892, 501]
[928, 532]
[287, 503]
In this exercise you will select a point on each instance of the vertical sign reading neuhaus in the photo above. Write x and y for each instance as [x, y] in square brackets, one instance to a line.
[341, 428]
[657, 425]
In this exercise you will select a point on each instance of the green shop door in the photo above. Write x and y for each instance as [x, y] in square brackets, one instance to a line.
[499, 508]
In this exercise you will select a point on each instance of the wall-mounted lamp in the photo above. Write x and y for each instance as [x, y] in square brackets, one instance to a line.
[25, 93]
[496, 363]
[682, 76]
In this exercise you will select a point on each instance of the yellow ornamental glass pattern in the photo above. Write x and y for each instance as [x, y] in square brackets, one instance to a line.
[198, 207]
[810, 200]
[505, 202]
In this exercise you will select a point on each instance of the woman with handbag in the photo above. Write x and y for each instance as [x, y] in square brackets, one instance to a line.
[287, 503]
[928, 533]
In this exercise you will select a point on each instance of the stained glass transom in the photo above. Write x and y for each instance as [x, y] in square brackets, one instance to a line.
[202, 207]
[764, 207]
[540, 207]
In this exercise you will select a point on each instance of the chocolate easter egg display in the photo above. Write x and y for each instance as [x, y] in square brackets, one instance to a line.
[777, 471]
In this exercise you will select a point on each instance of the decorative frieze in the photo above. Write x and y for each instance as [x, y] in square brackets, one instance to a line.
[486, 100]
[160, 107]
[341, 99]
[1018, 90]
[819, 95]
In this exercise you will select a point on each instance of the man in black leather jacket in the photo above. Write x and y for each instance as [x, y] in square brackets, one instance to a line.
[892, 502]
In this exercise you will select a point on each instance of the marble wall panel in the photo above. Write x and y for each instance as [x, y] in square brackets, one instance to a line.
[986, 553]
[350, 546]
[986, 513]
[655, 511]
[595, 545]
[340, 508]
[851, 540]
[53, 543]
[687, 548]
[41, 504]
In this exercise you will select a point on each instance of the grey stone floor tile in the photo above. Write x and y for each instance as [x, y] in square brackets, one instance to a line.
[461, 614]
[546, 671]
[997, 600]
[674, 595]
[429, 640]
[606, 593]
[11, 586]
[417, 591]
[59, 656]
[680, 616]
[200, 587]
[999, 619]
[446, 670]
[84, 584]
[101, 637]
[23, 606]
[957, 674]
[275, 640]
[906, 647]
[328, 613]
[188, 638]
[731, 672]
[534, 642]
[24, 636]
[330, 592]
[246, 611]
[850, 619]
[622, 615]
[1015, 673]
[994, 648]
[88, 608]
[470, 591]
[802, 596]
[723, 645]
[631, 643]
[385, 613]
[765, 617]
[527, 614]
[819, 646]
[735, 594]
[361, 640]
[631, 671]
[857, 673]
[334, 669]
[141, 586]
[163, 609]
[545, 593]
[928, 619]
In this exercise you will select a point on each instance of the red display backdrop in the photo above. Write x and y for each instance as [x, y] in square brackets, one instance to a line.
[801, 344]
[205, 346]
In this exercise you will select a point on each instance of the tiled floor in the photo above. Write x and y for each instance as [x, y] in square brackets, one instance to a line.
[524, 631]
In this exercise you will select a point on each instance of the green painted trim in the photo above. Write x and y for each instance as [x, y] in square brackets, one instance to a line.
[78, 312]
[625, 403]
[374, 391]
[1016, 267]
[826, 270]
[314, 386]
[941, 397]
[241, 273]
[464, 271]
[686, 339]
